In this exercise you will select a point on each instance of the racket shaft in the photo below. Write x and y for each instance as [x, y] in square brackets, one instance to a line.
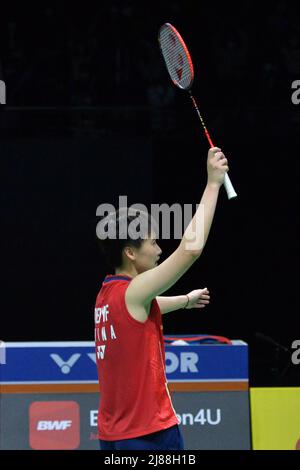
[227, 183]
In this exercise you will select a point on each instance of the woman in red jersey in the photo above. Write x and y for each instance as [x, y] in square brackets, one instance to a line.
[136, 410]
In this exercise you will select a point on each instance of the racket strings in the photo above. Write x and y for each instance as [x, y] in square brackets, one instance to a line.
[176, 57]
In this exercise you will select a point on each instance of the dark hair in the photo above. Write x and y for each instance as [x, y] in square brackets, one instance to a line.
[119, 222]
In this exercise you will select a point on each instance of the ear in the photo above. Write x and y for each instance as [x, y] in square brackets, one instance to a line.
[129, 253]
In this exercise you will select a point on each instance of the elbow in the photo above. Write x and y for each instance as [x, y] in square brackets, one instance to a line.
[190, 252]
[193, 254]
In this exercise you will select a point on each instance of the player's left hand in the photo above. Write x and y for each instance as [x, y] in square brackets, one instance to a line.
[198, 298]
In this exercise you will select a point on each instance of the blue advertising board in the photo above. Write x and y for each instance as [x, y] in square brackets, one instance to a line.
[70, 362]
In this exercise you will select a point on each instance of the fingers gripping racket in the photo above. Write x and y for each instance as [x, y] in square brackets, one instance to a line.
[180, 67]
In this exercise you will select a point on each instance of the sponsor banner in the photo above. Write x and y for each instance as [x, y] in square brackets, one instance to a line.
[214, 420]
[75, 362]
[275, 418]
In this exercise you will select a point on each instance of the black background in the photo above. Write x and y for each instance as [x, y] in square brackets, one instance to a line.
[91, 114]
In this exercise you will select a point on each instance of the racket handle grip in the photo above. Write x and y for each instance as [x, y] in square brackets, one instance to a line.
[229, 188]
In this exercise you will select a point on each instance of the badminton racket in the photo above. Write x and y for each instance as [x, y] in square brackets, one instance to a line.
[180, 67]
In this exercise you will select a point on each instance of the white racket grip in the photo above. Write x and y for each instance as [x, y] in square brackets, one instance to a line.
[229, 188]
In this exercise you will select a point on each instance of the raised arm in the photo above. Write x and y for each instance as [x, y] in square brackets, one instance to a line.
[150, 284]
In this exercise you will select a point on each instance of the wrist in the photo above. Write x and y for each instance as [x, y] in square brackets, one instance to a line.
[187, 300]
[215, 185]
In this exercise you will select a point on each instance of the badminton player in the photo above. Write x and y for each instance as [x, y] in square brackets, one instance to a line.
[136, 410]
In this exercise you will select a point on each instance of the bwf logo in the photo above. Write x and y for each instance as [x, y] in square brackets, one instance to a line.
[2, 92]
[296, 94]
[54, 425]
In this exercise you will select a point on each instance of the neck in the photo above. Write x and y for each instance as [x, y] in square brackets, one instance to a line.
[131, 272]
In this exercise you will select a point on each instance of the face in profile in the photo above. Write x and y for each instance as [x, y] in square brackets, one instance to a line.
[147, 256]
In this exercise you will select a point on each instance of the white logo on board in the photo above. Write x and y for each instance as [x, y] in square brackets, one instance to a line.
[65, 366]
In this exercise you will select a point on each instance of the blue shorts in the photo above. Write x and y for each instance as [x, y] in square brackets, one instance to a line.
[167, 439]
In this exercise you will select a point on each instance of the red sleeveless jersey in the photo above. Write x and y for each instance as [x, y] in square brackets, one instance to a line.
[130, 355]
